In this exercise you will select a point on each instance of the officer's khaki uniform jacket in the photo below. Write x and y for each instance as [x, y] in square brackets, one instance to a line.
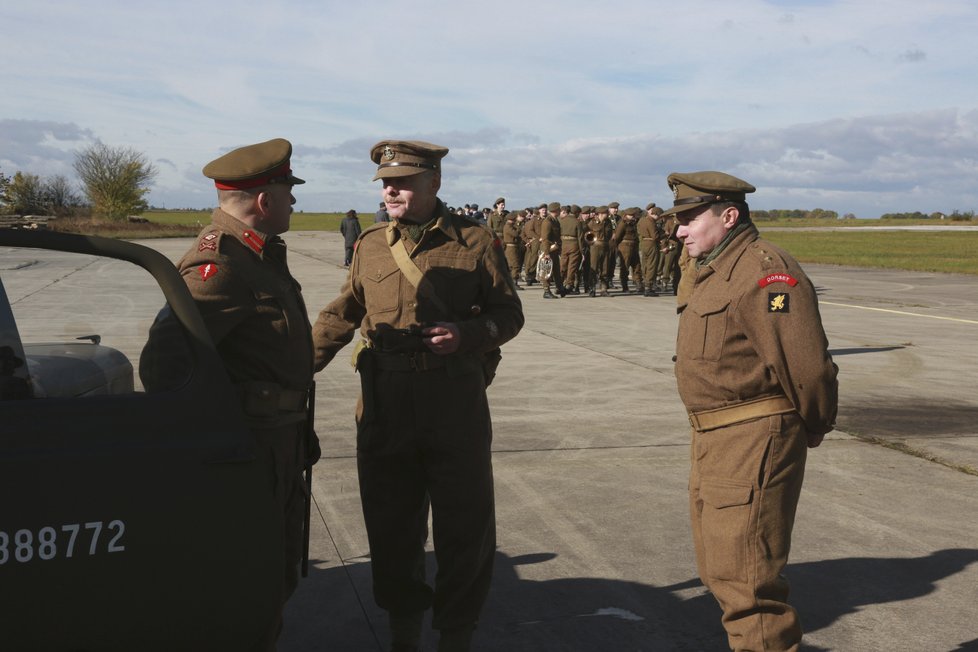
[252, 306]
[463, 260]
[751, 329]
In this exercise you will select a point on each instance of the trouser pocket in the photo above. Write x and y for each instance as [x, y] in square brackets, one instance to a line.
[725, 528]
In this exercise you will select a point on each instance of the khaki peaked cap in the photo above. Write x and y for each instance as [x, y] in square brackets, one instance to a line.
[696, 189]
[252, 166]
[500, 200]
[613, 204]
[403, 158]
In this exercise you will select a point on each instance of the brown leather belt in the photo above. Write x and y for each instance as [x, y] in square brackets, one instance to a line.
[731, 414]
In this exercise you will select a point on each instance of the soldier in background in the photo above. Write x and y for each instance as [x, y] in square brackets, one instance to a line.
[669, 247]
[498, 217]
[571, 247]
[648, 247]
[755, 375]
[531, 238]
[550, 243]
[511, 246]
[613, 219]
[381, 215]
[237, 273]
[600, 248]
[626, 237]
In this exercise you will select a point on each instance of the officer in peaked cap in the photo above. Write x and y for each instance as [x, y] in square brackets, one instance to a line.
[761, 392]
[237, 258]
[254, 165]
[404, 158]
[433, 300]
[695, 189]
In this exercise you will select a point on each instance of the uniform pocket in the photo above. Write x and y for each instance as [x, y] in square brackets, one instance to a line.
[710, 324]
[381, 286]
[455, 278]
[725, 527]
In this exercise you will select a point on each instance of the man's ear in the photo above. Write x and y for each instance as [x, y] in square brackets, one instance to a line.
[261, 203]
[436, 182]
[730, 216]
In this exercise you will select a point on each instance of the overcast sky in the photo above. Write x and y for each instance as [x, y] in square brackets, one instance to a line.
[856, 106]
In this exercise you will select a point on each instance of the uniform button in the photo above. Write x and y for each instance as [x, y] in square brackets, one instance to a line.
[264, 393]
[412, 304]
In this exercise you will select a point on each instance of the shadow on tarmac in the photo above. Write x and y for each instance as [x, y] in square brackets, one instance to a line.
[587, 614]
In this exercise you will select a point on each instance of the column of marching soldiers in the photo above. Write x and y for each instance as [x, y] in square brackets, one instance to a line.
[586, 245]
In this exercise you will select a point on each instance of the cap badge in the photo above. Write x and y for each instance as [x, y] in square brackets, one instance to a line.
[388, 153]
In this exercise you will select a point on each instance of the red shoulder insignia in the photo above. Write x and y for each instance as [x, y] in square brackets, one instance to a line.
[253, 240]
[207, 271]
[497, 244]
[778, 278]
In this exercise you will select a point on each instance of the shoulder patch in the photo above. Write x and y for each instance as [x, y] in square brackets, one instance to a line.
[207, 270]
[209, 241]
[778, 302]
[777, 278]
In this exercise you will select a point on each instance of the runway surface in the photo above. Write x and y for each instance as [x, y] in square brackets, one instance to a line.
[591, 456]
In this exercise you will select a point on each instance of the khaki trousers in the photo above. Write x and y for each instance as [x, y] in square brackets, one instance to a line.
[650, 263]
[744, 485]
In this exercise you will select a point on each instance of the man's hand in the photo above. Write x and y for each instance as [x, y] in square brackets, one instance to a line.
[442, 338]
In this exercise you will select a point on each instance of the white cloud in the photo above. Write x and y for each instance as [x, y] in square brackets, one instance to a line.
[833, 100]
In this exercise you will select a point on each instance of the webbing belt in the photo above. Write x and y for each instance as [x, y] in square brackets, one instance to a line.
[731, 414]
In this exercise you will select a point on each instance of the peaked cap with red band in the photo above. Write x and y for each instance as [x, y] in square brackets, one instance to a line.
[403, 158]
[253, 166]
[695, 189]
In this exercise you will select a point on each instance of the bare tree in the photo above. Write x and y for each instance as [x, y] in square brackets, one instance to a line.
[61, 197]
[116, 179]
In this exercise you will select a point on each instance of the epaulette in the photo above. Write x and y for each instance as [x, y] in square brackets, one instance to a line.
[767, 256]
[373, 227]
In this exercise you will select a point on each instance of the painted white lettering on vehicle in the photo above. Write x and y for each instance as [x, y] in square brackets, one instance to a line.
[26, 545]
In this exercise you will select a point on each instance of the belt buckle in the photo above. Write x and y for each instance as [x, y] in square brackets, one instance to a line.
[416, 361]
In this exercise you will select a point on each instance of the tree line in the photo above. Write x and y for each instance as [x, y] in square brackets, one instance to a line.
[114, 185]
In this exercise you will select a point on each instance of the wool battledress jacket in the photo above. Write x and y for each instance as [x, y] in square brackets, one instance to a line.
[750, 329]
[463, 260]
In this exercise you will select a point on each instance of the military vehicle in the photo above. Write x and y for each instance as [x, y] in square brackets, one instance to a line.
[131, 520]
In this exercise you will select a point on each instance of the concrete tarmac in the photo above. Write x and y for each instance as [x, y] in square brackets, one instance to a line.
[591, 460]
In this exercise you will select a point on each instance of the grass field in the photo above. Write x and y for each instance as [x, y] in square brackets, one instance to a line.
[925, 251]
[922, 251]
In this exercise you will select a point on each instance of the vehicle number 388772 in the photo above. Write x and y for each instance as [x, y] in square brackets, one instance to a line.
[72, 540]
